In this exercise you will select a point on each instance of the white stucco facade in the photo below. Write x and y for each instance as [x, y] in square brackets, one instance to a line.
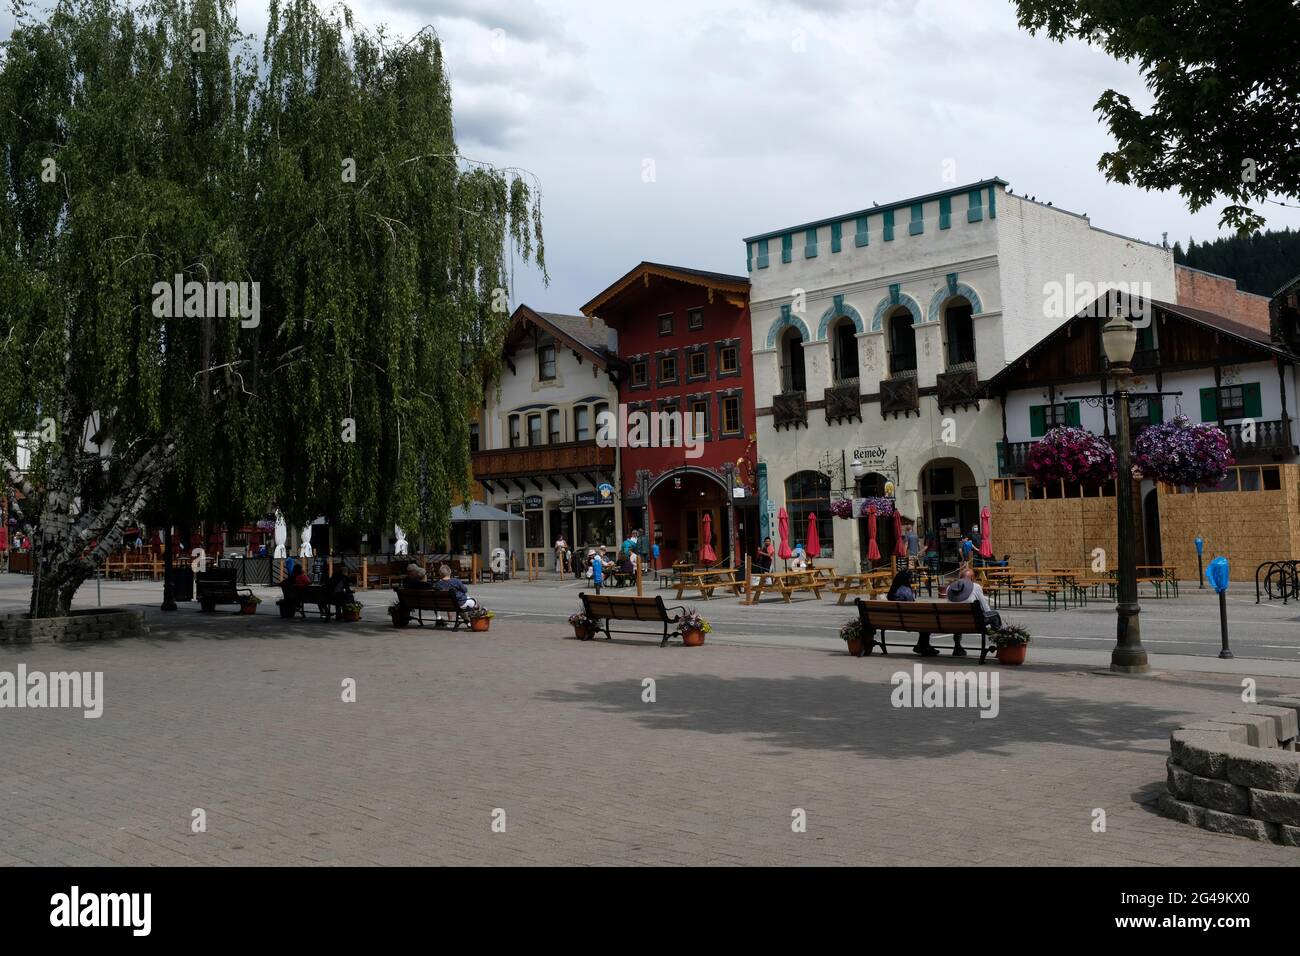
[979, 244]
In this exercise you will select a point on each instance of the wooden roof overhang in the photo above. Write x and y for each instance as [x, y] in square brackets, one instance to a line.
[634, 286]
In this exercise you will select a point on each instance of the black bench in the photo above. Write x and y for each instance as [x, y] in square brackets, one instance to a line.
[419, 600]
[615, 607]
[218, 587]
[294, 600]
[921, 617]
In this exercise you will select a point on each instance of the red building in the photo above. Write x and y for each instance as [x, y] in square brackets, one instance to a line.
[683, 336]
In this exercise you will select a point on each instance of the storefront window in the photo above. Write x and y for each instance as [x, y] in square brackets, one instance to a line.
[809, 493]
[534, 533]
[596, 526]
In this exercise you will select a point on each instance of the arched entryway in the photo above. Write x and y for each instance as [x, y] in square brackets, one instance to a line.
[872, 485]
[950, 503]
[678, 502]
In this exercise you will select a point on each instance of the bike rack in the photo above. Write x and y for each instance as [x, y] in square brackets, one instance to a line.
[1288, 572]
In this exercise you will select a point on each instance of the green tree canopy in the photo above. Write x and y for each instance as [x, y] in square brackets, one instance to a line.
[1226, 91]
[141, 142]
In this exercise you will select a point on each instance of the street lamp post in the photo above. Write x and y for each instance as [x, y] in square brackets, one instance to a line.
[1119, 338]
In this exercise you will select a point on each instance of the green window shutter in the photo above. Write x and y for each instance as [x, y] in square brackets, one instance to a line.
[787, 247]
[1072, 414]
[1208, 411]
[889, 225]
[1155, 410]
[835, 237]
[1146, 339]
[762, 254]
[945, 212]
[860, 239]
[1251, 400]
[810, 244]
[1037, 421]
[917, 225]
[974, 206]
[993, 202]
[749, 257]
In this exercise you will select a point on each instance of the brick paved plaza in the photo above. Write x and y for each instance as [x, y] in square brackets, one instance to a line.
[243, 718]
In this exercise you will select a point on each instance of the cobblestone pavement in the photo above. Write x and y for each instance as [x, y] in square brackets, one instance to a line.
[244, 718]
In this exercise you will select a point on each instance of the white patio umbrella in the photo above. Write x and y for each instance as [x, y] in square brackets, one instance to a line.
[281, 536]
[400, 547]
[306, 550]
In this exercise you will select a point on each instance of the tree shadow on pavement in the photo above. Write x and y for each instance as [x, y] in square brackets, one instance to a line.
[839, 713]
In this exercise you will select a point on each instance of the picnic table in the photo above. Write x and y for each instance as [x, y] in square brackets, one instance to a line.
[786, 582]
[870, 583]
[707, 581]
[1162, 577]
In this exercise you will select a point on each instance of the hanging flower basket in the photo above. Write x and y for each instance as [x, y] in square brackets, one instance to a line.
[1071, 454]
[1181, 453]
[884, 506]
[842, 508]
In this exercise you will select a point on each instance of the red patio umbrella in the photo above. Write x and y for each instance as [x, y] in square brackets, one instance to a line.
[783, 531]
[900, 543]
[873, 549]
[986, 534]
[707, 553]
[814, 547]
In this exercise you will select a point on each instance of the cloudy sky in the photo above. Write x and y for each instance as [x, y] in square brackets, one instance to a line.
[759, 114]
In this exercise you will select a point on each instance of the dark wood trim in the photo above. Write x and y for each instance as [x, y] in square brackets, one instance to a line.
[1218, 403]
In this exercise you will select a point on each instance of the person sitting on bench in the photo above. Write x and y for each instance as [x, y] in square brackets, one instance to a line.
[301, 579]
[338, 588]
[416, 578]
[900, 589]
[964, 591]
[446, 582]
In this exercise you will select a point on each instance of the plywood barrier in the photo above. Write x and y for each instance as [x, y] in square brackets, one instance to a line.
[1060, 532]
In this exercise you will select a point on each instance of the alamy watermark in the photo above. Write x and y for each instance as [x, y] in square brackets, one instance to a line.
[1128, 300]
[668, 428]
[947, 689]
[208, 300]
[63, 689]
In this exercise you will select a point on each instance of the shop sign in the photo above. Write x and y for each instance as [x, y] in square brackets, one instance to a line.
[585, 499]
[532, 501]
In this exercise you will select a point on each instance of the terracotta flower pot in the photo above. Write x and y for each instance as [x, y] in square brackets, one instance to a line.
[1014, 654]
[693, 638]
[855, 646]
[479, 623]
[351, 615]
[248, 609]
[581, 633]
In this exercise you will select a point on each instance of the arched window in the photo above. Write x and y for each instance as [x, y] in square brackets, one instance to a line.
[792, 369]
[958, 332]
[845, 344]
[809, 492]
[902, 341]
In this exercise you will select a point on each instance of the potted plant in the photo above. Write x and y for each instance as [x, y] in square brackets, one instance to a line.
[248, 603]
[479, 618]
[351, 612]
[1071, 454]
[400, 615]
[842, 508]
[851, 635]
[1181, 453]
[1012, 642]
[692, 627]
[584, 628]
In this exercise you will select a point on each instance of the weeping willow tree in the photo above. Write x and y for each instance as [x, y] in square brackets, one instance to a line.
[239, 279]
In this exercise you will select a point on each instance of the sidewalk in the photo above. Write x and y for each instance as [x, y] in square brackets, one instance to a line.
[242, 717]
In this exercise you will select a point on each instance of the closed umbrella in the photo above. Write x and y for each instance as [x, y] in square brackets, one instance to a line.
[873, 549]
[707, 554]
[281, 536]
[986, 534]
[814, 547]
[900, 543]
[783, 531]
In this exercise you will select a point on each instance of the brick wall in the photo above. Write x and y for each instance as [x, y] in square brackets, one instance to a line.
[1219, 294]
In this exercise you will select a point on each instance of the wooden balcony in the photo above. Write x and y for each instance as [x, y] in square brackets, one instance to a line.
[958, 388]
[844, 401]
[790, 410]
[565, 458]
[899, 396]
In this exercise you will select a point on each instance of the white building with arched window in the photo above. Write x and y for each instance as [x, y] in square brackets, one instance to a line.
[875, 332]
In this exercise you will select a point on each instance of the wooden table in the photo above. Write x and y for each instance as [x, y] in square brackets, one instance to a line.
[1160, 576]
[867, 582]
[787, 582]
[707, 581]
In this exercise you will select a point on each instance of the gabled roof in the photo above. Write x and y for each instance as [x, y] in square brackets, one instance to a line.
[582, 335]
[1221, 325]
[1287, 286]
[734, 288]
